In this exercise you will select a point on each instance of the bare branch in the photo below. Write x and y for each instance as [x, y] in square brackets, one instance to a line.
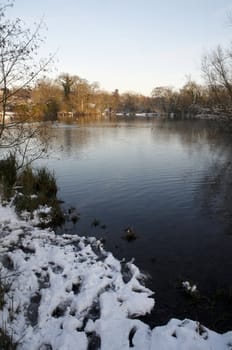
[19, 67]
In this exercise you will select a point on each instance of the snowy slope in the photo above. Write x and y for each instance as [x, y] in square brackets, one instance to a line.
[68, 293]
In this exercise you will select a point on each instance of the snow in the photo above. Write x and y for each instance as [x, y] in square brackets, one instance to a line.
[67, 292]
[35, 217]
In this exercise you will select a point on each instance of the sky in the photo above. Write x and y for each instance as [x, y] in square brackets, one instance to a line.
[130, 45]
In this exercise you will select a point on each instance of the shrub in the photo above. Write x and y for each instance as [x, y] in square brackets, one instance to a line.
[45, 183]
[37, 189]
[40, 182]
[26, 181]
[6, 341]
[8, 174]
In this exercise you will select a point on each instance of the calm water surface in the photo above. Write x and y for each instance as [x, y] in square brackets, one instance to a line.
[171, 183]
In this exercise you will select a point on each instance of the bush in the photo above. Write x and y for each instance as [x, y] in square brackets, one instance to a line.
[6, 342]
[45, 183]
[40, 182]
[8, 174]
[37, 189]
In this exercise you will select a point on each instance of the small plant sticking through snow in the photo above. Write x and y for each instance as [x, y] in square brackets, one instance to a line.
[6, 340]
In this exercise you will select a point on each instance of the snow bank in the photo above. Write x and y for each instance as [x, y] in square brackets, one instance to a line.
[68, 293]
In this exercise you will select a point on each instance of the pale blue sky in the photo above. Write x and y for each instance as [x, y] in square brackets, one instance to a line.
[132, 45]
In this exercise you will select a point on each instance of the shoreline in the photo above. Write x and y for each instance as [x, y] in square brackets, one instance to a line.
[67, 290]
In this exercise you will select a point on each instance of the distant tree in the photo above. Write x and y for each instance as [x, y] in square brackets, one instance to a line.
[217, 70]
[130, 102]
[103, 100]
[164, 99]
[77, 93]
[115, 101]
[82, 96]
[191, 91]
[47, 99]
[67, 81]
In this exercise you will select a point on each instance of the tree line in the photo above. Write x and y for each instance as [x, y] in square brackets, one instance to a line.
[71, 95]
[31, 98]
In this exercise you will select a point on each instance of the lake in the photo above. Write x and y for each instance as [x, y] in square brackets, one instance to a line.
[170, 182]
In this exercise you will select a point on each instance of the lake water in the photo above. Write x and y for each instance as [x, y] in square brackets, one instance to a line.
[170, 181]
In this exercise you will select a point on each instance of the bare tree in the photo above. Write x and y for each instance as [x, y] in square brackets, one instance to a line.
[19, 68]
[67, 81]
[164, 99]
[217, 70]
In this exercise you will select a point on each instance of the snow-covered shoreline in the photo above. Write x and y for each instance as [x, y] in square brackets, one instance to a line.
[67, 292]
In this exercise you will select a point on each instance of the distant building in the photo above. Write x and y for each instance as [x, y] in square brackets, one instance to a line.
[65, 115]
[9, 117]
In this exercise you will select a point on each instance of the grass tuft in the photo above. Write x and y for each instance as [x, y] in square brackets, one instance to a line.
[38, 188]
[6, 341]
[35, 189]
[8, 174]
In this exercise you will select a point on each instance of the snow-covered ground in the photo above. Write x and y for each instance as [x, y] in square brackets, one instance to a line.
[67, 292]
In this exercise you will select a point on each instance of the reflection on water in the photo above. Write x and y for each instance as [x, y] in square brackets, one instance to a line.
[216, 194]
[171, 183]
